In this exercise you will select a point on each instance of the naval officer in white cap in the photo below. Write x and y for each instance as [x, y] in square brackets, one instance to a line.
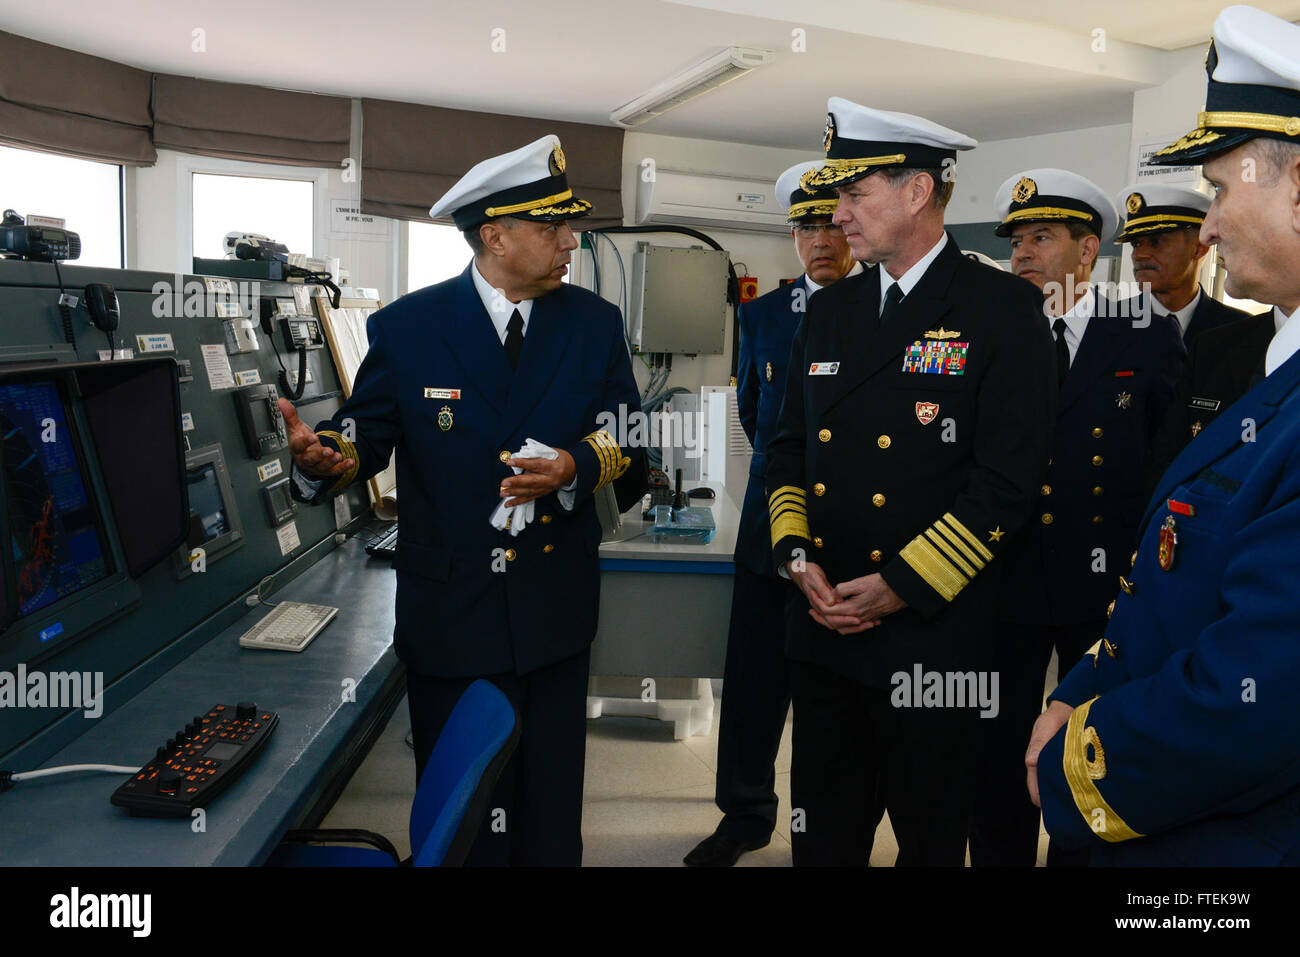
[458, 377]
[1117, 375]
[1175, 740]
[756, 680]
[1163, 224]
[917, 417]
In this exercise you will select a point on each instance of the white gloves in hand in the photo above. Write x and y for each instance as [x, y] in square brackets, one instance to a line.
[519, 516]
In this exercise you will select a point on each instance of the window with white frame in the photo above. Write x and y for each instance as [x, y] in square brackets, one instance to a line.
[88, 195]
[282, 209]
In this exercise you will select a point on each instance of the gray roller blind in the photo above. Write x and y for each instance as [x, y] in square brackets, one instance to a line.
[67, 102]
[412, 154]
[234, 121]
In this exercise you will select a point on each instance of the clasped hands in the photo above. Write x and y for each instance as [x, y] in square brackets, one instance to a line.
[849, 607]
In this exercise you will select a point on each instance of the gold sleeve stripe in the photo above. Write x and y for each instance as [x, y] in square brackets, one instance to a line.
[1094, 650]
[975, 543]
[1082, 774]
[960, 545]
[348, 451]
[957, 560]
[609, 456]
[787, 496]
[933, 567]
[789, 523]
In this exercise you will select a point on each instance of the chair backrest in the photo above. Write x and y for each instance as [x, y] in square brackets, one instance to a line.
[472, 750]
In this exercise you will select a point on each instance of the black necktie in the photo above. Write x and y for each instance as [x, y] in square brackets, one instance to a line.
[1062, 352]
[893, 296]
[514, 338]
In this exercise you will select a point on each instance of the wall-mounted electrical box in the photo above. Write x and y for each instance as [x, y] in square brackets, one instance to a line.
[679, 300]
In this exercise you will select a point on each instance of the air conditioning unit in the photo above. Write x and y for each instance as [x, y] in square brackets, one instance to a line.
[710, 200]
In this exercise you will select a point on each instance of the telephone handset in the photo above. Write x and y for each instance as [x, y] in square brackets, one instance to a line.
[300, 333]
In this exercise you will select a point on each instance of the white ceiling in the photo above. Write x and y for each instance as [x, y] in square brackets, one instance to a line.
[975, 65]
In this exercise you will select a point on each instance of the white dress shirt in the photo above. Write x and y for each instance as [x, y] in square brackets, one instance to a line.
[499, 308]
[1076, 320]
[1183, 315]
[907, 282]
[1285, 341]
[813, 287]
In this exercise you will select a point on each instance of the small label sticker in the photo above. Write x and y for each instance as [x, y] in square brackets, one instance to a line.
[287, 536]
[823, 368]
[187, 422]
[229, 310]
[219, 285]
[286, 307]
[155, 342]
[106, 356]
[248, 377]
[269, 470]
[55, 629]
[441, 393]
[54, 222]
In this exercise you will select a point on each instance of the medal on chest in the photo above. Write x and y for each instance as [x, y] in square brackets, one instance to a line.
[445, 418]
[1165, 554]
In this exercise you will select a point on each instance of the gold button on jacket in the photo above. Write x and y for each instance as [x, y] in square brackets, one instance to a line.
[884, 441]
[1047, 518]
[878, 500]
[824, 435]
[819, 489]
[510, 554]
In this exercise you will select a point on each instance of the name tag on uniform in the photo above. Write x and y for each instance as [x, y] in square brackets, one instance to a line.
[823, 368]
[938, 358]
[441, 393]
[1209, 405]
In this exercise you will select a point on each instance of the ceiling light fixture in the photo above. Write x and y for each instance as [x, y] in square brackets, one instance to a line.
[708, 74]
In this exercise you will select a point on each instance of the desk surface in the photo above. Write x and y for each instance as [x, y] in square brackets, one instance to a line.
[633, 544]
[67, 820]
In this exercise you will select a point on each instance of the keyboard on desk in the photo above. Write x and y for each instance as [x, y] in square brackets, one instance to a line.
[290, 626]
[385, 544]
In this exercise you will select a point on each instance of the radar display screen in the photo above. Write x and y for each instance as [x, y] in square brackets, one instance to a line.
[57, 542]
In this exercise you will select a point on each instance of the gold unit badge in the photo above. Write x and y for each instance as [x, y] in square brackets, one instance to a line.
[1024, 190]
[445, 418]
[557, 161]
[942, 333]
[1134, 204]
[769, 372]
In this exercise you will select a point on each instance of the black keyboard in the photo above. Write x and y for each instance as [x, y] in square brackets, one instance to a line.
[200, 762]
[385, 544]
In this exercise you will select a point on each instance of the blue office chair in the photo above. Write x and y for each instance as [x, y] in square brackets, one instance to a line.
[450, 802]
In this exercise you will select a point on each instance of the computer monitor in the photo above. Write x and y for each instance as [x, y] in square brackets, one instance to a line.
[91, 481]
[58, 544]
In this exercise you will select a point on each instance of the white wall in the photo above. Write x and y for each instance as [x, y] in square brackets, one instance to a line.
[1100, 154]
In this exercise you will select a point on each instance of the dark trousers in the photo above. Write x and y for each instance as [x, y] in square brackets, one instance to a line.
[1005, 824]
[849, 740]
[540, 790]
[755, 702]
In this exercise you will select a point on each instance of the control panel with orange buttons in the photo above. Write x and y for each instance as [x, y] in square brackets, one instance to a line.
[200, 762]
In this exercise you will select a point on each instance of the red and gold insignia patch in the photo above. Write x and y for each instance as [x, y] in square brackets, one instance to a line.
[926, 412]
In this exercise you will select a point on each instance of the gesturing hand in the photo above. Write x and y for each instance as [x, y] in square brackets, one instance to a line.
[314, 459]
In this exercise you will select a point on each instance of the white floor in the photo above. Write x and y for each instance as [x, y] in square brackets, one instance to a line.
[647, 798]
